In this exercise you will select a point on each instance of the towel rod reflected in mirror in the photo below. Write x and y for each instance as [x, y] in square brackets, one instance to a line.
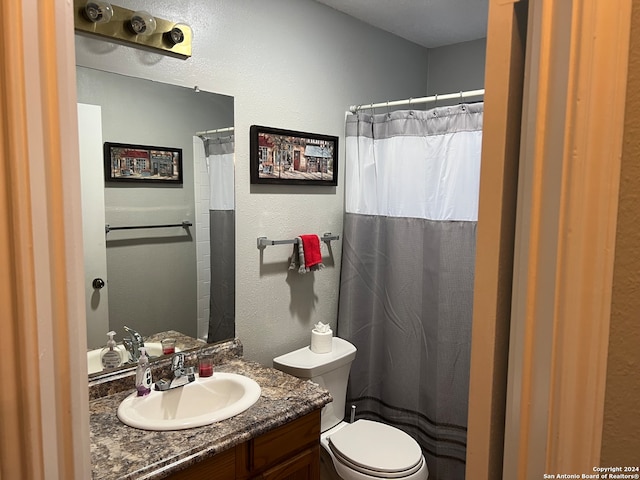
[185, 224]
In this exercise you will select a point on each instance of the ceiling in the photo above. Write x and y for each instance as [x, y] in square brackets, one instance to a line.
[430, 23]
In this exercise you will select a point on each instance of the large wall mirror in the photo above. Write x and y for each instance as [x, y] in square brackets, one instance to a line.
[163, 277]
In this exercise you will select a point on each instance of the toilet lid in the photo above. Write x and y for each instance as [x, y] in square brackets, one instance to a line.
[376, 449]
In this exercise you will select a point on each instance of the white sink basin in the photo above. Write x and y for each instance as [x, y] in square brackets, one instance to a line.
[94, 364]
[205, 401]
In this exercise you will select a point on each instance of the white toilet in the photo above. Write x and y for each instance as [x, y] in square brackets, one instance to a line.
[363, 450]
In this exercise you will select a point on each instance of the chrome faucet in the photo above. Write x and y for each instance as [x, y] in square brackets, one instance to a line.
[133, 344]
[181, 375]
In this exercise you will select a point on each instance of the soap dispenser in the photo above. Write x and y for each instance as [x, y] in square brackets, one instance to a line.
[109, 356]
[143, 374]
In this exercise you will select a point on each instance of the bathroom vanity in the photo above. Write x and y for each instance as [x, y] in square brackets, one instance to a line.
[291, 451]
[277, 438]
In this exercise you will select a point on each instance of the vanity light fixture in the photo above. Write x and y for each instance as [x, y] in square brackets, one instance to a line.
[99, 18]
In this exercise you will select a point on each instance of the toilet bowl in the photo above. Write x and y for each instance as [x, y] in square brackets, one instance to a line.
[364, 449]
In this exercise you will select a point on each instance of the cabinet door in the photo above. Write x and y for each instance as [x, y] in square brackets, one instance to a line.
[220, 467]
[304, 466]
[284, 442]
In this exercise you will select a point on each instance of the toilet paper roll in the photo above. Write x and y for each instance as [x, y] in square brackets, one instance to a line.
[321, 342]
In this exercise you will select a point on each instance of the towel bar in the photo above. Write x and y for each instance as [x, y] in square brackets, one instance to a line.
[264, 241]
[185, 224]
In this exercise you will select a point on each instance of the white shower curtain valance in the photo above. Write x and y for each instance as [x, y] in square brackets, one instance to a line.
[219, 152]
[434, 174]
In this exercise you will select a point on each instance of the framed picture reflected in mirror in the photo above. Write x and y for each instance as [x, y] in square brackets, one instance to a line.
[142, 163]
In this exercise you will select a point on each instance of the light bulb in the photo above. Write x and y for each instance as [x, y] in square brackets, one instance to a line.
[177, 34]
[142, 23]
[97, 11]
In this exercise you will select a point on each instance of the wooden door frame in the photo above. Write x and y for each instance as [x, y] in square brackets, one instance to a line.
[570, 148]
[504, 83]
[45, 414]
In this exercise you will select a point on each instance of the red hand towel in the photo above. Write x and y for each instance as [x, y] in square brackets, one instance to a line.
[312, 255]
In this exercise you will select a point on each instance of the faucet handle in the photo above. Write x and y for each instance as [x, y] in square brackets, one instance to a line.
[133, 343]
[135, 336]
[177, 362]
[181, 375]
[128, 345]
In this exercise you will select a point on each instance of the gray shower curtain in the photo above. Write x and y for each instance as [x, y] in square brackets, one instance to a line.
[220, 165]
[412, 180]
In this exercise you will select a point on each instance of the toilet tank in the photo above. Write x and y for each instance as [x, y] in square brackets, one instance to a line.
[329, 370]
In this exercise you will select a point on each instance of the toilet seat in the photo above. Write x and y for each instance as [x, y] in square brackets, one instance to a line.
[376, 449]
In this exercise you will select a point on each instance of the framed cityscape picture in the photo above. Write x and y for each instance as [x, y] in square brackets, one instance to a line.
[142, 163]
[297, 158]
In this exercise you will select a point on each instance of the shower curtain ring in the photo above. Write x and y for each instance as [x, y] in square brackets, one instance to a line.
[435, 102]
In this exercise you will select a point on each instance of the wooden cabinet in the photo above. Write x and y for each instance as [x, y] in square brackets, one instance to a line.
[219, 467]
[289, 452]
[304, 466]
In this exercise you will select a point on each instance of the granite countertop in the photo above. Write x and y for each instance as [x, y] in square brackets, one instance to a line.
[122, 452]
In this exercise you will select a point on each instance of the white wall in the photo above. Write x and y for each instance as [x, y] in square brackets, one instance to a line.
[292, 64]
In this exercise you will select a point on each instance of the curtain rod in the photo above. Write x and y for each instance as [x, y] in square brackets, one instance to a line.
[217, 130]
[411, 101]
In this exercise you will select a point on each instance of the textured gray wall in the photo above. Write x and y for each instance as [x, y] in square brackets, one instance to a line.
[455, 68]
